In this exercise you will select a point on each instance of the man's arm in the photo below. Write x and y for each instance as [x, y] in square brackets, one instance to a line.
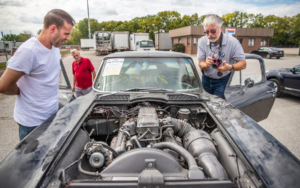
[237, 66]
[8, 82]
[94, 75]
[74, 82]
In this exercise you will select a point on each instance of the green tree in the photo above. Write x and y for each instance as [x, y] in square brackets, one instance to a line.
[39, 31]
[295, 29]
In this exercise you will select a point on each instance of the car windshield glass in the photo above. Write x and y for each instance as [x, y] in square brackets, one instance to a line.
[272, 48]
[118, 74]
[146, 44]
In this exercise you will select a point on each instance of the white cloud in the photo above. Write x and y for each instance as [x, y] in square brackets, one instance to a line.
[29, 16]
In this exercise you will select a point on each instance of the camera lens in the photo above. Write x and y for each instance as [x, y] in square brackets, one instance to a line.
[215, 66]
[220, 74]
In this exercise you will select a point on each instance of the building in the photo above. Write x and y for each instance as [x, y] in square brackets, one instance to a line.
[8, 45]
[250, 38]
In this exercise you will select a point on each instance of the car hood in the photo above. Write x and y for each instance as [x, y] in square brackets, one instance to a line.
[32, 158]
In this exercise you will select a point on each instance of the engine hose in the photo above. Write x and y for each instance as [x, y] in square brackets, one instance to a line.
[199, 144]
[115, 154]
[186, 155]
[87, 172]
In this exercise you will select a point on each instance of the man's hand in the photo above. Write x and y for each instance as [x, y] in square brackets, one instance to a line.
[224, 67]
[73, 88]
[205, 64]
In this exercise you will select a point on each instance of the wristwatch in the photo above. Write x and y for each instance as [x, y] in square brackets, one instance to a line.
[232, 69]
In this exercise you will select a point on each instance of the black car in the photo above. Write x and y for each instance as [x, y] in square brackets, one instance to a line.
[149, 123]
[285, 80]
[269, 52]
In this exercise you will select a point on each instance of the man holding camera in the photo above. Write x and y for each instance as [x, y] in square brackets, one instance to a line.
[218, 54]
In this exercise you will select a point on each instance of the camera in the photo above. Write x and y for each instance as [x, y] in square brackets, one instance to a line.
[216, 64]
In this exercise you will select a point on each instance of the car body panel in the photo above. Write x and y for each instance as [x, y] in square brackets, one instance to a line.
[264, 51]
[33, 157]
[275, 164]
[31, 162]
[255, 99]
[289, 81]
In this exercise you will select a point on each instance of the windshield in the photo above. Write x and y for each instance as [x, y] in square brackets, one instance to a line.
[166, 73]
[272, 48]
[146, 44]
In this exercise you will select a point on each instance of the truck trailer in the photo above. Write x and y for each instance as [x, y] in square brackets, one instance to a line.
[86, 44]
[120, 40]
[162, 41]
[141, 42]
[102, 43]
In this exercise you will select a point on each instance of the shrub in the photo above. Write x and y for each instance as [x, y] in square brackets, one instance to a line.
[178, 47]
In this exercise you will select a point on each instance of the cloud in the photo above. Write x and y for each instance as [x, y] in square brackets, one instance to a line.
[11, 3]
[110, 12]
[31, 19]
[182, 2]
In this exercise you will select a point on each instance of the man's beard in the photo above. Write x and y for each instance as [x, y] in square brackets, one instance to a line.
[214, 40]
[57, 41]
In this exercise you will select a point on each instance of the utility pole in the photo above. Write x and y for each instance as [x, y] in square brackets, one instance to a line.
[89, 19]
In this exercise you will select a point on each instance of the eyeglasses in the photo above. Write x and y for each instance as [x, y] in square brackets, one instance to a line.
[213, 31]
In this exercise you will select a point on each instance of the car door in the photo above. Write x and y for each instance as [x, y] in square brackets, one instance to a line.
[260, 51]
[291, 80]
[250, 91]
[65, 90]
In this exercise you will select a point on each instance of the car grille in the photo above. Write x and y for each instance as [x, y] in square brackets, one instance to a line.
[181, 98]
[113, 97]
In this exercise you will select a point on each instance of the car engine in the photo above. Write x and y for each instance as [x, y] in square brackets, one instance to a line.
[151, 142]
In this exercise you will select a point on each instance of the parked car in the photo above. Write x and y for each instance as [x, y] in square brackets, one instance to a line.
[149, 123]
[285, 80]
[269, 52]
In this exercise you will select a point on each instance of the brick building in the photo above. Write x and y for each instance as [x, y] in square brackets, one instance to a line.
[250, 38]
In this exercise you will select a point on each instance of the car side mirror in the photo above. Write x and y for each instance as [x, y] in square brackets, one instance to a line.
[293, 70]
[248, 83]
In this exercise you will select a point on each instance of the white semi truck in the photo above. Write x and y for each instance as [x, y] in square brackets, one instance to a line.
[120, 41]
[162, 41]
[86, 44]
[102, 43]
[141, 42]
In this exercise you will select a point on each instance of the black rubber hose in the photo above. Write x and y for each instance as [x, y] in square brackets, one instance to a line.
[181, 151]
[87, 172]
[115, 154]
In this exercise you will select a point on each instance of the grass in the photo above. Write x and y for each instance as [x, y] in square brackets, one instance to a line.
[3, 65]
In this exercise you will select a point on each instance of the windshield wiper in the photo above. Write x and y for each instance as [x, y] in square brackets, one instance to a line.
[147, 89]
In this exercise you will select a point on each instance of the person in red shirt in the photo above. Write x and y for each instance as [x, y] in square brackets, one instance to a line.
[82, 69]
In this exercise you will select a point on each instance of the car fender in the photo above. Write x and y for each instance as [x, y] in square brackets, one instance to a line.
[263, 152]
[29, 161]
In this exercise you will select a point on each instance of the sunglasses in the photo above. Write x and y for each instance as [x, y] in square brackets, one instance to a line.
[75, 56]
[213, 31]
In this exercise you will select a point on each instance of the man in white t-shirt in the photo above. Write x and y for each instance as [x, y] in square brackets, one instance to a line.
[33, 73]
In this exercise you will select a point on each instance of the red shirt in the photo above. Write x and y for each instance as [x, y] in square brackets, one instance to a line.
[82, 72]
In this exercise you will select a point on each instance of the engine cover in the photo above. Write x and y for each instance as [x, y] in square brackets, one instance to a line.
[147, 121]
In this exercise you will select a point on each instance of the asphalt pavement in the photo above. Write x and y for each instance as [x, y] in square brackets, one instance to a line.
[282, 123]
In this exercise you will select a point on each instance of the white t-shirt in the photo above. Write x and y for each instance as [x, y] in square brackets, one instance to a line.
[38, 98]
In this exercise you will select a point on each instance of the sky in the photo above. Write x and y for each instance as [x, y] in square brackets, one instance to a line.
[17, 16]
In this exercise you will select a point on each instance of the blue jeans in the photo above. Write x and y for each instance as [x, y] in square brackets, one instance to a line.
[24, 131]
[215, 86]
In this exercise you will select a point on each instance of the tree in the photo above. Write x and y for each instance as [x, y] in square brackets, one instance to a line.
[295, 29]
[236, 19]
[39, 31]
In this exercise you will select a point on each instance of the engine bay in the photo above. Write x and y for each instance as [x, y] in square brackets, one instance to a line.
[150, 143]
